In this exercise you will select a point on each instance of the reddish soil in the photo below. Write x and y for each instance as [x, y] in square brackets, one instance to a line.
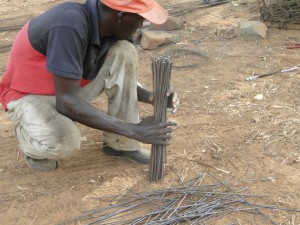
[220, 124]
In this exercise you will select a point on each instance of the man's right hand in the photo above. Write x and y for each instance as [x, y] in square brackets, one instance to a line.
[151, 132]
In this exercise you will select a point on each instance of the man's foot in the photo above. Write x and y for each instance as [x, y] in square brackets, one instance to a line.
[41, 164]
[141, 156]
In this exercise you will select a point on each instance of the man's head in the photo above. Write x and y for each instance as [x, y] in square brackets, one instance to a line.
[148, 9]
[130, 14]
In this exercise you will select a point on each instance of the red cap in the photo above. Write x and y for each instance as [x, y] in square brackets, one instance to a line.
[149, 9]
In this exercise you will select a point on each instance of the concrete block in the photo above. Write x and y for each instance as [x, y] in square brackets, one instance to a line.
[154, 39]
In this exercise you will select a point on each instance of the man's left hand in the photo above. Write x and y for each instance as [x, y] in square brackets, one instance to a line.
[173, 99]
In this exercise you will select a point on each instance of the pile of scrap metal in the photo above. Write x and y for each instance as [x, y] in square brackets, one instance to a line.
[182, 8]
[285, 13]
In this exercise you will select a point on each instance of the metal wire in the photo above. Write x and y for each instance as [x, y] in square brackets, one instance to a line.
[189, 203]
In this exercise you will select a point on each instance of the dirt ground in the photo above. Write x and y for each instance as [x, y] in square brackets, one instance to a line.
[220, 123]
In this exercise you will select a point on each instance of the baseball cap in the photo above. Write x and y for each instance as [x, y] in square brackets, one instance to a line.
[149, 9]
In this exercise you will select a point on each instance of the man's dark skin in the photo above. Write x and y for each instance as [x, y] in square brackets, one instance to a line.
[68, 102]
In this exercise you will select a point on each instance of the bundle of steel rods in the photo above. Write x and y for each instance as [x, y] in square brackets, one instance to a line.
[191, 202]
[161, 74]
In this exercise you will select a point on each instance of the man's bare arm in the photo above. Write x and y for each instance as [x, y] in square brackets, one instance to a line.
[148, 97]
[144, 95]
[71, 105]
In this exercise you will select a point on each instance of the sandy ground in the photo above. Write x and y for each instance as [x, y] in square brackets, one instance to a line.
[220, 124]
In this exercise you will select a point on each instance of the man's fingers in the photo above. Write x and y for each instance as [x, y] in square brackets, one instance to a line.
[162, 143]
[148, 118]
[168, 130]
[175, 102]
[175, 97]
[167, 123]
[175, 110]
[162, 140]
[169, 91]
[167, 138]
[175, 106]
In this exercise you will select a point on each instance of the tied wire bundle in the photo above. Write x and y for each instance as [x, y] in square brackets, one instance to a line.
[161, 74]
[282, 11]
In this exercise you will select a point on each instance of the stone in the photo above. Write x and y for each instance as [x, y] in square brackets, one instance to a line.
[216, 155]
[259, 97]
[252, 29]
[226, 32]
[84, 138]
[154, 39]
[172, 23]
[137, 36]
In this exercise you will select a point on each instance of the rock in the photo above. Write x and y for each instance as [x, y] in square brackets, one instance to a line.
[256, 119]
[259, 97]
[92, 181]
[226, 32]
[172, 23]
[216, 155]
[252, 29]
[137, 36]
[153, 39]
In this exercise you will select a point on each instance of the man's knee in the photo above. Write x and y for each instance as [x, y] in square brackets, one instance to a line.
[42, 131]
[55, 145]
[63, 147]
[63, 141]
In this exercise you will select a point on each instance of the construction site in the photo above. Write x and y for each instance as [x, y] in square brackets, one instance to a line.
[235, 154]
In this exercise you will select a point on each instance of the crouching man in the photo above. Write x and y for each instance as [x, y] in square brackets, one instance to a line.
[62, 60]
